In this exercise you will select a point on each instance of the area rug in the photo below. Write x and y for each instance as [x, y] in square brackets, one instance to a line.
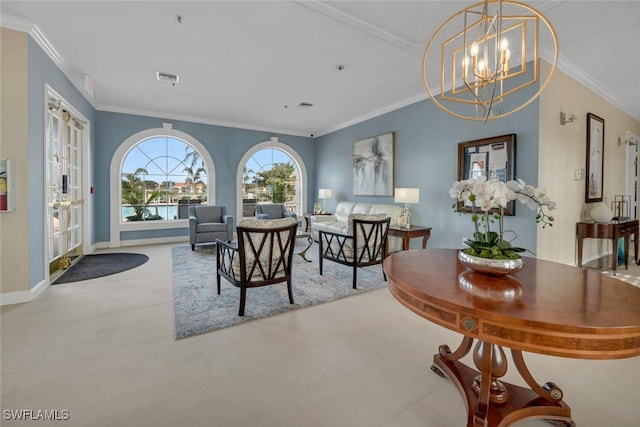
[199, 309]
[99, 265]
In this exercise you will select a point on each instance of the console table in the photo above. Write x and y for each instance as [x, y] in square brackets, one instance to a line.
[407, 234]
[547, 307]
[613, 231]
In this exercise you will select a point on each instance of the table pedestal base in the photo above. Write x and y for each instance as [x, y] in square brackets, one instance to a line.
[520, 403]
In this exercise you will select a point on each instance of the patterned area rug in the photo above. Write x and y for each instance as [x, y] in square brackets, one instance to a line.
[199, 309]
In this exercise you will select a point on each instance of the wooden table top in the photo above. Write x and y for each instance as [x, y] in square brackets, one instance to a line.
[547, 307]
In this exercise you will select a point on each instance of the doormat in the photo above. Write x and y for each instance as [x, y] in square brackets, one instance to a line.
[99, 265]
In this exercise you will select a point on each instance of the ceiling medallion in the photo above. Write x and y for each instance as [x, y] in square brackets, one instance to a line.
[488, 53]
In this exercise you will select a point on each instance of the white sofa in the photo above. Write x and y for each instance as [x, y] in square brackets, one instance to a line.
[337, 223]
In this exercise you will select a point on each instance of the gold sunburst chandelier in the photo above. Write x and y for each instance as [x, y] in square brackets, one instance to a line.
[488, 54]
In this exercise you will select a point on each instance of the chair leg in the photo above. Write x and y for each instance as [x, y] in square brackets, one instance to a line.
[218, 284]
[320, 263]
[384, 275]
[355, 276]
[243, 297]
[290, 290]
[193, 247]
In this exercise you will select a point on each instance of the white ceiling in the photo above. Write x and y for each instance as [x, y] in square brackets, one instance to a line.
[250, 64]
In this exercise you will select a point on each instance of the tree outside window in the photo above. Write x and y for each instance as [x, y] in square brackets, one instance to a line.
[270, 176]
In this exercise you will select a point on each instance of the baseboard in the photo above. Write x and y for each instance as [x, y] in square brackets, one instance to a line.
[20, 297]
[141, 242]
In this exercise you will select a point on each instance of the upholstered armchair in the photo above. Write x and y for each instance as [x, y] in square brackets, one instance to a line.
[261, 256]
[207, 223]
[364, 244]
[273, 211]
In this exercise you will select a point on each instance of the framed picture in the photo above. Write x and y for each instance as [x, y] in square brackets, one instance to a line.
[493, 157]
[595, 159]
[373, 166]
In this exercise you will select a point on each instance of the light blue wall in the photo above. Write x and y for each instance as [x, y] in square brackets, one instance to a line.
[41, 70]
[426, 157]
[225, 144]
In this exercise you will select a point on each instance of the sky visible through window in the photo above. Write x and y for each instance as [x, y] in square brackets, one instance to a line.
[265, 159]
[163, 158]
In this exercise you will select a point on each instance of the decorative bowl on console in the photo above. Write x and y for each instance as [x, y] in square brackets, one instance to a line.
[490, 266]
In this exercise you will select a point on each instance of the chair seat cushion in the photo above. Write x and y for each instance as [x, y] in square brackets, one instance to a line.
[264, 259]
[210, 227]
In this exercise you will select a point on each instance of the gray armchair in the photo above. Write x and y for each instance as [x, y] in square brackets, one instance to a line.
[273, 211]
[208, 223]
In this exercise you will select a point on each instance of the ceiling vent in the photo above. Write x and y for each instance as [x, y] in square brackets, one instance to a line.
[165, 77]
[305, 105]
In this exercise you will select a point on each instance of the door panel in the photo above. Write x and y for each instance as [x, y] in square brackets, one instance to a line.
[64, 187]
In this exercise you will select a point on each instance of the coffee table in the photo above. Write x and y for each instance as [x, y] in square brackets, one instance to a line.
[546, 308]
[304, 235]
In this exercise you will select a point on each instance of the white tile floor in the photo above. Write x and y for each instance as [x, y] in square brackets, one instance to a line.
[104, 350]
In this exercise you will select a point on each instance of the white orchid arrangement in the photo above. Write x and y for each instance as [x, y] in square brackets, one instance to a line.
[483, 196]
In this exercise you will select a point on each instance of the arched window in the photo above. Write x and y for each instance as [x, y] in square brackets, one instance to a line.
[161, 176]
[271, 172]
[155, 175]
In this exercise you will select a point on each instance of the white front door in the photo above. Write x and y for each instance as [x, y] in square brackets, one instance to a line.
[64, 142]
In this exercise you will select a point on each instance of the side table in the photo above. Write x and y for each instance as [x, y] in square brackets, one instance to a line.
[613, 231]
[407, 234]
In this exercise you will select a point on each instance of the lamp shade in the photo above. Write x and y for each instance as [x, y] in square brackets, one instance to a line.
[407, 195]
[324, 193]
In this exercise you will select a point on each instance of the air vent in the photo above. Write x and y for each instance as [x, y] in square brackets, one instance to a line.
[305, 105]
[165, 77]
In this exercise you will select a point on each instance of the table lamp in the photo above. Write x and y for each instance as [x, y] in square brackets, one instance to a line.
[324, 194]
[406, 196]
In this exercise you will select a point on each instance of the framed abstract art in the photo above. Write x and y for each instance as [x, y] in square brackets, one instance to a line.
[373, 166]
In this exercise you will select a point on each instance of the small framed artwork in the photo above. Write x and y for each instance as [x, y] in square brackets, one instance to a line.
[493, 157]
[595, 159]
[373, 166]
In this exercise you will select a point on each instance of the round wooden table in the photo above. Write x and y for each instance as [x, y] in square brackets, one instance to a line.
[546, 308]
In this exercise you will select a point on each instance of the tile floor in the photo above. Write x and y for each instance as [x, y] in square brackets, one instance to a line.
[104, 351]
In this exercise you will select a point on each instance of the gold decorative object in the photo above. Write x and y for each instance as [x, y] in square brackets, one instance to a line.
[488, 52]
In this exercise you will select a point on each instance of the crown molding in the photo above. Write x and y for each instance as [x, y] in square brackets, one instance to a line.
[196, 119]
[41, 39]
[48, 48]
[26, 26]
[358, 24]
[14, 23]
[375, 113]
[582, 77]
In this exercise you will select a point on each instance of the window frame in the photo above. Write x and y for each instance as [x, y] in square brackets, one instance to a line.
[116, 226]
[299, 163]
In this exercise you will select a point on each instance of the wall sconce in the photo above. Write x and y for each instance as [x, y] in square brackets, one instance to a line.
[567, 118]
[324, 194]
[406, 196]
[630, 138]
